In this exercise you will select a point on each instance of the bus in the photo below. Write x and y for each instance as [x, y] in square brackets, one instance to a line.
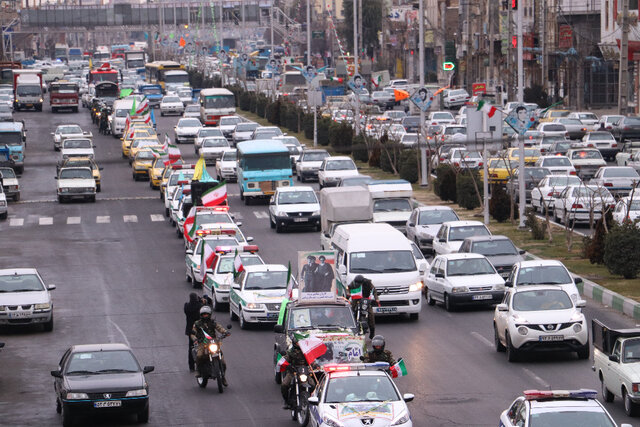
[101, 55]
[166, 73]
[215, 103]
[6, 71]
[263, 166]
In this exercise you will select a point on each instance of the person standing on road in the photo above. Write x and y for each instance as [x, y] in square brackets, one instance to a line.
[192, 313]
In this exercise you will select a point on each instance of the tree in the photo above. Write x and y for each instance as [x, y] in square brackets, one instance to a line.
[499, 205]
[621, 248]
[371, 20]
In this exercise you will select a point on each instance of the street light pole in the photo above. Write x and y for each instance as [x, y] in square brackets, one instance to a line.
[355, 61]
[309, 97]
[521, 190]
[423, 147]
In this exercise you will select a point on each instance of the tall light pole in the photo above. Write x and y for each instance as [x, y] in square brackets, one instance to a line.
[423, 146]
[521, 190]
[355, 62]
[309, 97]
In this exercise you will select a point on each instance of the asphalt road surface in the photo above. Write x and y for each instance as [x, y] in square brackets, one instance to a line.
[120, 276]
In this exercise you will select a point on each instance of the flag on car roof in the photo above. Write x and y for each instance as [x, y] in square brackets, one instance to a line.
[312, 347]
[281, 363]
[487, 108]
[399, 369]
[206, 261]
[199, 168]
[189, 224]
[132, 112]
[173, 151]
[215, 195]
[237, 264]
[167, 141]
[289, 282]
[143, 107]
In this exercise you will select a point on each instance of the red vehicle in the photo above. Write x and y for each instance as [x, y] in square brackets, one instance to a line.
[103, 74]
[63, 94]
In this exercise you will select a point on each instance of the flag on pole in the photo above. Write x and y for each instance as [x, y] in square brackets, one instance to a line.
[281, 363]
[289, 282]
[143, 107]
[174, 152]
[189, 224]
[399, 369]
[215, 195]
[206, 261]
[207, 338]
[153, 118]
[489, 109]
[199, 168]
[237, 264]
[356, 293]
[167, 141]
[400, 94]
[376, 80]
[132, 112]
[312, 347]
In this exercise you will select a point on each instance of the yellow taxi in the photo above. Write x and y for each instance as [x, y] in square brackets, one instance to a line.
[499, 170]
[159, 172]
[551, 115]
[531, 155]
[142, 163]
[127, 139]
[139, 143]
[84, 162]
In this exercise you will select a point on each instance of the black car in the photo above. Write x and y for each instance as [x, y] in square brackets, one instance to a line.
[629, 128]
[97, 379]
[411, 124]
[559, 148]
[533, 175]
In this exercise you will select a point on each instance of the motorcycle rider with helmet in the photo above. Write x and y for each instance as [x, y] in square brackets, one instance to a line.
[368, 292]
[210, 326]
[379, 354]
[296, 359]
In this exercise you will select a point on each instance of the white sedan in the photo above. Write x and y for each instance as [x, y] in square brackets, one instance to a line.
[294, 207]
[451, 235]
[625, 211]
[540, 318]
[76, 183]
[227, 166]
[212, 148]
[77, 147]
[557, 165]
[333, 169]
[581, 203]
[171, 104]
[545, 193]
[67, 131]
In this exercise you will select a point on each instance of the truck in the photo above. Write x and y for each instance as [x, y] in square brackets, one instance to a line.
[27, 89]
[61, 52]
[153, 94]
[63, 94]
[342, 205]
[134, 59]
[616, 361]
[13, 139]
[392, 202]
[76, 54]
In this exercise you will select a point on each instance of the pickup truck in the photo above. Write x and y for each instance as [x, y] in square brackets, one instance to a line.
[616, 360]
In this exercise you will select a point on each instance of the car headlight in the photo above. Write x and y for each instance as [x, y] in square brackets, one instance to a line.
[416, 286]
[45, 306]
[137, 393]
[459, 289]
[498, 287]
[3, 308]
[213, 347]
[523, 330]
[64, 190]
[3, 203]
[331, 422]
[577, 328]
[76, 396]
[254, 306]
[315, 213]
[402, 420]
[41, 100]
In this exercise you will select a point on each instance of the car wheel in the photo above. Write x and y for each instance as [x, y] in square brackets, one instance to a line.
[58, 406]
[67, 418]
[430, 300]
[60, 199]
[512, 353]
[630, 408]
[232, 315]
[92, 199]
[48, 327]
[606, 394]
[215, 305]
[583, 353]
[143, 417]
[241, 195]
[98, 188]
[243, 323]
[414, 316]
[448, 304]
[272, 223]
[195, 283]
[4, 215]
[166, 212]
[187, 277]
[496, 340]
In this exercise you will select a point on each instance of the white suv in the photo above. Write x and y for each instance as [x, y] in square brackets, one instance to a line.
[544, 272]
[25, 299]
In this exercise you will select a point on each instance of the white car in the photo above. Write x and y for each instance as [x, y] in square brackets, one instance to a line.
[545, 193]
[587, 118]
[586, 161]
[553, 129]
[463, 279]
[550, 407]
[452, 98]
[4, 210]
[453, 134]
[294, 207]
[256, 294]
[630, 159]
[227, 165]
[610, 122]
[424, 223]
[333, 169]
[76, 183]
[357, 394]
[544, 272]
[540, 318]
[77, 147]
[175, 203]
[10, 183]
[25, 299]
[191, 111]
[220, 276]
[619, 180]
[219, 238]
[212, 148]
[395, 131]
[575, 128]
[266, 132]
[581, 203]
[463, 159]
[228, 124]
[171, 104]
[68, 131]
[206, 132]
[603, 141]
[408, 139]
[557, 165]
[625, 211]
[186, 130]
[441, 118]
[309, 164]
[177, 178]
[243, 131]
[186, 95]
[452, 233]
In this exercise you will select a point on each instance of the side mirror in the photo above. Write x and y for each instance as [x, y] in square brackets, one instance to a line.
[577, 280]
[442, 240]
[313, 400]
[51, 287]
[56, 374]
[249, 239]
[278, 329]
[93, 146]
[342, 270]
[239, 224]
[612, 357]
[422, 270]
[508, 283]
[55, 177]
[440, 275]
[189, 252]
[581, 303]
[52, 133]
[407, 397]
[411, 224]
[522, 252]
[502, 307]
[100, 168]
[148, 369]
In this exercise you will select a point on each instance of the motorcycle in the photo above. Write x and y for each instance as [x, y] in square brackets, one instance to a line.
[213, 369]
[301, 388]
[362, 315]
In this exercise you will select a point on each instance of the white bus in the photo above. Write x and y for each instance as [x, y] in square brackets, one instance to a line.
[215, 103]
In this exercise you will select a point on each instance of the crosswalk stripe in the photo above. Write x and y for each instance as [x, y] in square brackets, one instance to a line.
[103, 219]
[130, 218]
[237, 215]
[16, 222]
[73, 220]
[261, 215]
[157, 217]
[45, 220]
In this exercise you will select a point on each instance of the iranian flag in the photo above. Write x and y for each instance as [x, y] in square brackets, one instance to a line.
[215, 196]
[237, 264]
[208, 256]
[167, 142]
[208, 338]
[189, 224]
[356, 293]
[376, 80]
[127, 122]
[487, 108]
[399, 369]
[289, 282]
[281, 364]
[174, 152]
[169, 161]
[143, 107]
[147, 118]
[312, 347]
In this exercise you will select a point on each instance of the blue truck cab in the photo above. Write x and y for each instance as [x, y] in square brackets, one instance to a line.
[153, 94]
[13, 140]
[263, 166]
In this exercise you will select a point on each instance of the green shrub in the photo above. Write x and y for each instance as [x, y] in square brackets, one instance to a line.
[445, 183]
[261, 105]
[621, 249]
[323, 130]
[252, 103]
[409, 166]
[499, 205]
[536, 226]
[341, 137]
[594, 246]
[292, 118]
[284, 113]
[273, 112]
[245, 101]
[359, 148]
[374, 157]
[466, 193]
[307, 125]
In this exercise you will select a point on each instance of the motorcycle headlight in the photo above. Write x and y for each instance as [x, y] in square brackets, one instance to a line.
[303, 378]
[416, 286]
[137, 393]
[41, 100]
[213, 347]
[76, 396]
[402, 420]
[98, 114]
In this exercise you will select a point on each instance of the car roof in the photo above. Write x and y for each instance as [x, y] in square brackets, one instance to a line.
[337, 158]
[294, 189]
[487, 238]
[517, 289]
[461, 255]
[80, 348]
[540, 263]
[433, 208]
[264, 267]
[461, 223]
[565, 403]
[17, 271]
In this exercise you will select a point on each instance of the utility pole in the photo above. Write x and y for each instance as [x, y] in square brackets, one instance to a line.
[623, 87]
[355, 63]
[491, 11]
[522, 195]
[467, 31]
[424, 173]
[543, 44]
[360, 31]
[315, 113]
[509, 70]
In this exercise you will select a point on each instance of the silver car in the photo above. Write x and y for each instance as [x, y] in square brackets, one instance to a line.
[25, 299]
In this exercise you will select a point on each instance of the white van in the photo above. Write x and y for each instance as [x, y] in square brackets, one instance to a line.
[392, 202]
[121, 108]
[382, 254]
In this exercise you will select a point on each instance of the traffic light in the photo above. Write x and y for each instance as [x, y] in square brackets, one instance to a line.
[448, 66]
[514, 41]
[514, 4]
[411, 52]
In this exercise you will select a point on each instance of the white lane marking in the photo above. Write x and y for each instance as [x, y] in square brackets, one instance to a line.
[16, 222]
[157, 217]
[121, 331]
[73, 220]
[237, 215]
[481, 338]
[536, 378]
[45, 220]
[261, 215]
[130, 218]
[103, 219]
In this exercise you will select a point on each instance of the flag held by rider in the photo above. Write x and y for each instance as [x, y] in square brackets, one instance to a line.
[281, 364]
[399, 369]
[312, 347]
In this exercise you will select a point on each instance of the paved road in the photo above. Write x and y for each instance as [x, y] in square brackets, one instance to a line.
[120, 276]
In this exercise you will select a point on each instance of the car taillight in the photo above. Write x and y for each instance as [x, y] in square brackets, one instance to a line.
[442, 159]
[608, 184]
[480, 164]
[614, 145]
[584, 129]
[572, 173]
[566, 134]
[576, 206]
[626, 128]
[456, 164]
[609, 127]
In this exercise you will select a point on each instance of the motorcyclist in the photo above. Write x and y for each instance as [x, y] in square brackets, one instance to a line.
[368, 292]
[104, 120]
[379, 354]
[210, 326]
[296, 359]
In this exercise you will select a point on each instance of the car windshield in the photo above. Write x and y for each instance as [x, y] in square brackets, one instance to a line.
[362, 388]
[563, 181]
[543, 275]
[7, 173]
[442, 116]
[184, 92]
[168, 99]
[77, 143]
[67, 130]
[410, 137]
[554, 128]
[461, 233]
[590, 192]
[152, 91]
[215, 142]
[266, 280]
[494, 247]
[144, 143]
[229, 121]
[320, 317]
[315, 156]
[182, 176]
[338, 165]
[392, 205]
[297, 197]
[145, 155]
[355, 180]
[262, 162]
[556, 114]
[73, 173]
[469, 267]
[438, 216]
[219, 101]
[102, 362]
[632, 121]
[29, 90]
[539, 300]
[230, 156]
[457, 154]
[458, 92]
[221, 241]
[588, 116]
[192, 109]
[382, 262]
[570, 121]
[451, 130]
[122, 112]
[204, 132]
[535, 173]
[556, 161]
[586, 155]
[226, 264]
[620, 173]
[20, 283]
[189, 123]
[246, 127]
[594, 417]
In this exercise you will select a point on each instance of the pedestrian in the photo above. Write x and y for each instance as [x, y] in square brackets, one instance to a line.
[192, 313]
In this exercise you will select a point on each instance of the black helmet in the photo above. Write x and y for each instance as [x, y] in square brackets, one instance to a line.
[359, 279]
[378, 343]
[205, 309]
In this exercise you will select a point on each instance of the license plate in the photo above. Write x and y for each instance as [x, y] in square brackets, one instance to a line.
[19, 315]
[271, 316]
[505, 275]
[386, 309]
[551, 338]
[107, 404]
[481, 297]
[300, 219]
